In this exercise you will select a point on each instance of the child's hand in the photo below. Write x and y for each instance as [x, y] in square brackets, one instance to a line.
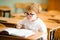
[23, 27]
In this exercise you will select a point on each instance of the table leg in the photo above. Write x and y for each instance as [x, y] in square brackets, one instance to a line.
[4, 14]
[9, 14]
[0, 13]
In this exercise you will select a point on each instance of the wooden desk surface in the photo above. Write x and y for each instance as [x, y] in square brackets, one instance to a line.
[5, 8]
[10, 20]
[32, 37]
[51, 24]
[36, 36]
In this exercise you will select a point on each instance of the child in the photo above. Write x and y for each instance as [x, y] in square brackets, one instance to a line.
[31, 21]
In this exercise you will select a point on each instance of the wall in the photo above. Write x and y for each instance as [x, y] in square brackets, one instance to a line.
[11, 3]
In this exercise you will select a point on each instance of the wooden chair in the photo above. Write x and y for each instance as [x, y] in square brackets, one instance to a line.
[4, 10]
[19, 6]
[57, 34]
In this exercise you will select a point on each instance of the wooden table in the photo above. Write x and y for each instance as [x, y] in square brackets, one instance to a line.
[49, 19]
[51, 25]
[35, 36]
[9, 22]
[5, 9]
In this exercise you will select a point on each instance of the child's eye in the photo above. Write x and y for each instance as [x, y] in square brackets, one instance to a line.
[31, 14]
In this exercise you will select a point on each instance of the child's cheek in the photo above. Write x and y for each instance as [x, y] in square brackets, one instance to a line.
[34, 17]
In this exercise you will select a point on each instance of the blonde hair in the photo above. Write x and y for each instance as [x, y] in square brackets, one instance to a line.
[34, 7]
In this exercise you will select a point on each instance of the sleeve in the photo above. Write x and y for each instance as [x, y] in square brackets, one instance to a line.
[42, 27]
[20, 23]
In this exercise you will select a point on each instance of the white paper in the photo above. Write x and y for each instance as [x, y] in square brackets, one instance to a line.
[20, 32]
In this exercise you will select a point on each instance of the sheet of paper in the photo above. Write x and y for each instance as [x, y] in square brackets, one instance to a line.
[20, 32]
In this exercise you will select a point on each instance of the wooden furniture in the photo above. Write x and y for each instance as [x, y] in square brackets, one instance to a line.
[43, 6]
[19, 6]
[51, 24]
[10, 22]
[32, 37]
[18, 15]
[54, 5]
[35, 36]
[7, 37]
[57, 34]
[2, 27]
[0, 14]
[4, 10]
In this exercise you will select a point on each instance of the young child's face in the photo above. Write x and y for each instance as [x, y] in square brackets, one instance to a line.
[31, 15]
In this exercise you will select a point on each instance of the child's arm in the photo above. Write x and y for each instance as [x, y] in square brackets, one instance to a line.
[20, 24]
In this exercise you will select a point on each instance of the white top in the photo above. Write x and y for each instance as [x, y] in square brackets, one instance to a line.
[37, 25]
